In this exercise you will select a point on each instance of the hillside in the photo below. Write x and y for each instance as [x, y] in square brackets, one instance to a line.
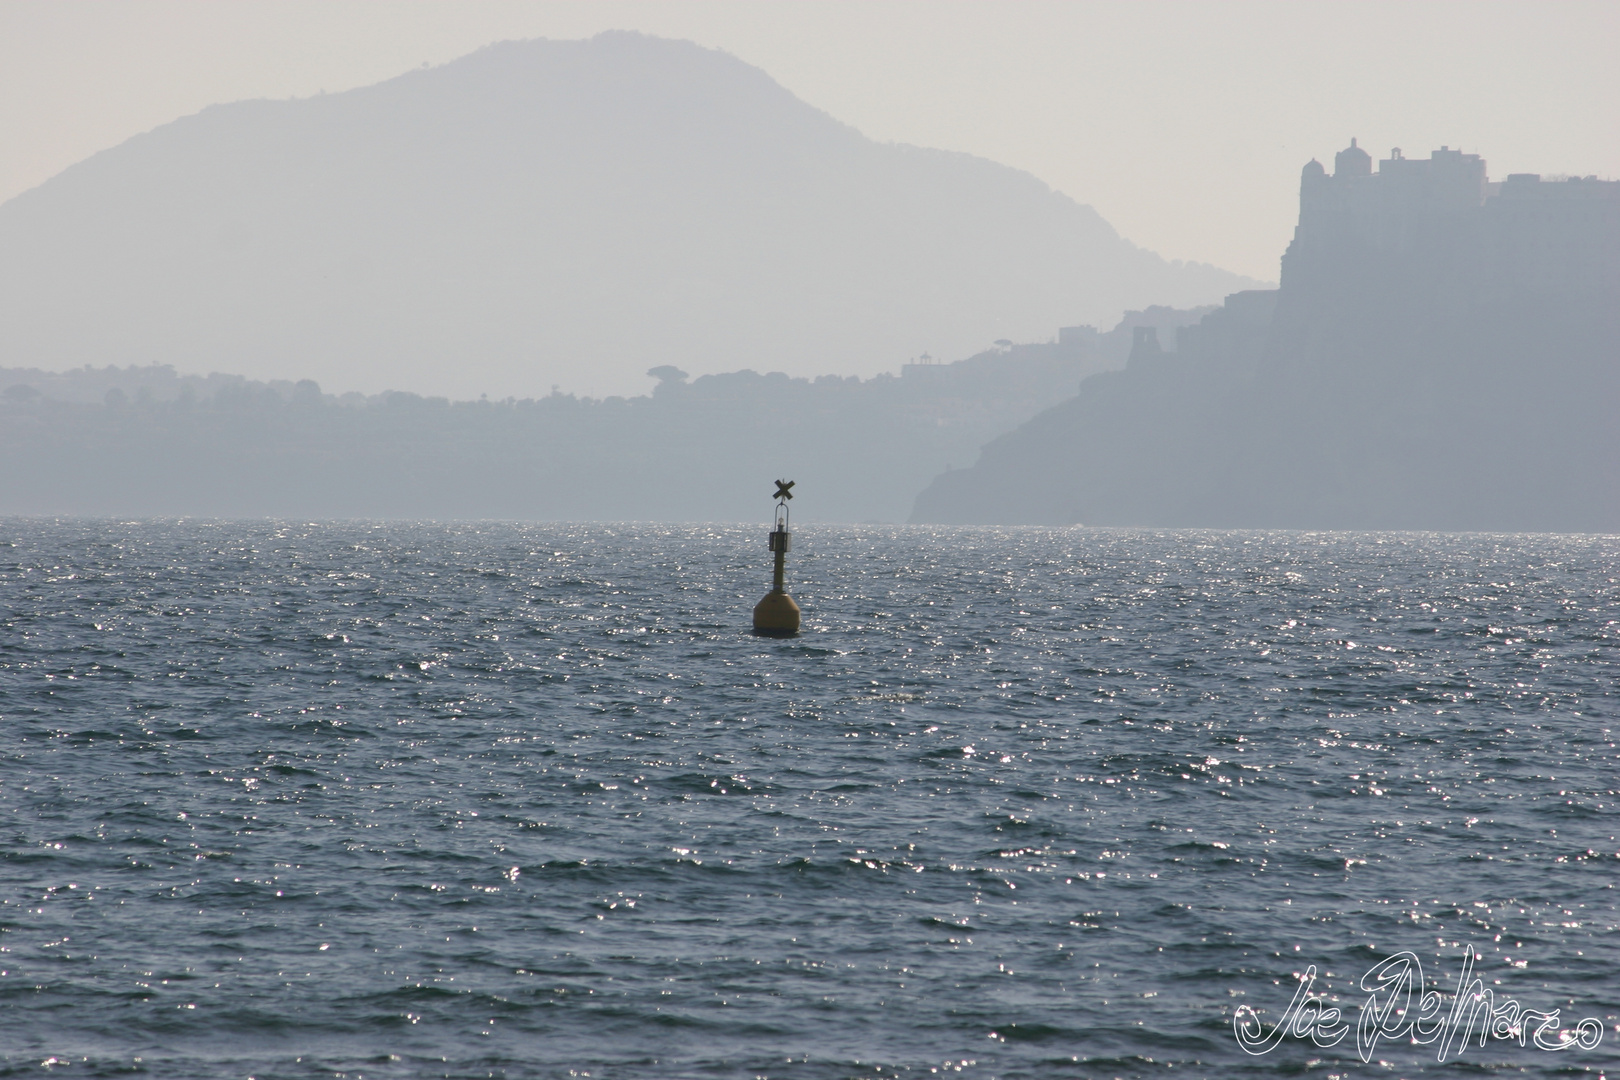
[148, 441]
[549, 213]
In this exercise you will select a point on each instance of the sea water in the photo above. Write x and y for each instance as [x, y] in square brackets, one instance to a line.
[401, 800]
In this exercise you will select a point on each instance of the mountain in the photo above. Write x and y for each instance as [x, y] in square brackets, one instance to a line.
[1443, 353]
[549, 213]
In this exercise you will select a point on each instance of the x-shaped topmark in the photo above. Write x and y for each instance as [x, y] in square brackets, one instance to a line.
[782, 491]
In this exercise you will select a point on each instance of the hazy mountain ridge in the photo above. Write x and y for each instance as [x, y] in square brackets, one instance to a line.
[148, 441]
[548, 213]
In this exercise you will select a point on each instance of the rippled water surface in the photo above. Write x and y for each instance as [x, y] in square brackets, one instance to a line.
[481, 800]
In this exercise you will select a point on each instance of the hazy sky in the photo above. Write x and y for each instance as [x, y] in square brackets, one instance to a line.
[1184, 124]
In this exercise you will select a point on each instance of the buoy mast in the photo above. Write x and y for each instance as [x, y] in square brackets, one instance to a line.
[777, 615]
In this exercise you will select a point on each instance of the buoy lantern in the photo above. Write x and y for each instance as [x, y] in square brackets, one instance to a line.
[777, 615]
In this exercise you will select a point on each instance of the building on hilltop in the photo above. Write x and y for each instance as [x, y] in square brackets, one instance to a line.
[1410, 201]
[1391, 263]
[1393, 209]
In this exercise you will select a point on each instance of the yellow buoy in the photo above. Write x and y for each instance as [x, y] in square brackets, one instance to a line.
[777, 615]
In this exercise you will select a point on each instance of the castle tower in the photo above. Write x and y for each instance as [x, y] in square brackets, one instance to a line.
[1145, 344]
[1352, 161]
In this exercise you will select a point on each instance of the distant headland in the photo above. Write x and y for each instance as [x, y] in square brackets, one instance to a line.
[1443, 352]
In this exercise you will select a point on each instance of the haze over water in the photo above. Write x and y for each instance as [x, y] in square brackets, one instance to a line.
[494, 800]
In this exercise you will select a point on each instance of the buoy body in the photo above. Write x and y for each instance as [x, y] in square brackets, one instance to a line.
[777, 615]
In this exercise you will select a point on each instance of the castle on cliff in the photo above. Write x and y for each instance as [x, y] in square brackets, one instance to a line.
[1443, 214]
[1442, 352]
[1421, 256]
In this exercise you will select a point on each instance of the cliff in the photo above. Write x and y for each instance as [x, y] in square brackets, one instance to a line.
[1443, 352]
